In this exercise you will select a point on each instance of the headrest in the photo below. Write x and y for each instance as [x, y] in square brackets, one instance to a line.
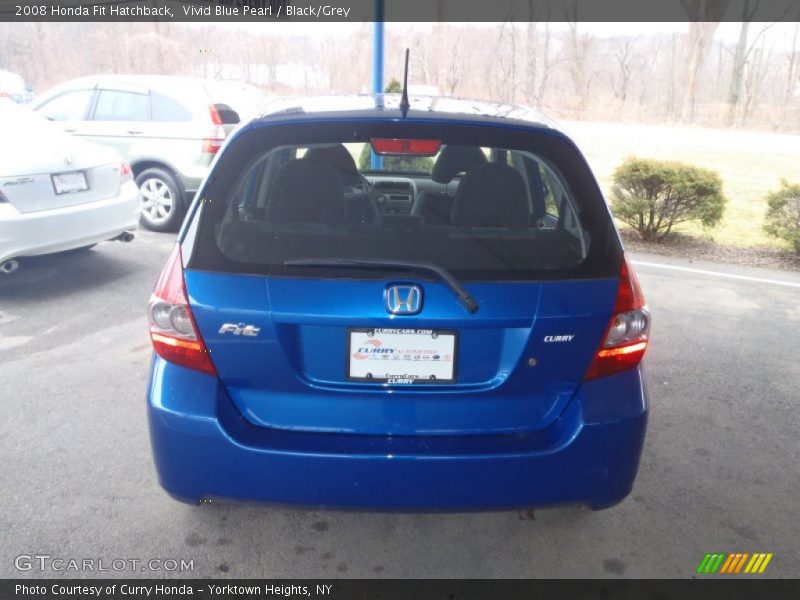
[491, 195]
[307, 192]
[453, 160]
[337, 157]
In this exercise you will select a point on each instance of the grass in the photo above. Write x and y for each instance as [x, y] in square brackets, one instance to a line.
[751, 164]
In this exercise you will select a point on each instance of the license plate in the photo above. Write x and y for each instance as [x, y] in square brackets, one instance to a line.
[69, 183]
[401, 356]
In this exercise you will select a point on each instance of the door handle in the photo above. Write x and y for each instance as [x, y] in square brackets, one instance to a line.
[70, 129]
[135, 131]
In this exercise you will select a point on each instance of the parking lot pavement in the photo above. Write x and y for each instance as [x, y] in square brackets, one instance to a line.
[720, 470]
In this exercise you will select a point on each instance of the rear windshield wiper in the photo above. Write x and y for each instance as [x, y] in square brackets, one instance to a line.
[463, 296]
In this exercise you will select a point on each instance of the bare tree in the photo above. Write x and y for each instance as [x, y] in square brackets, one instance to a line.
[531, 51]
[756, 71]
[453, 72]
[580, 46]
[538, 65]
[741, 54]
[671, 109]
[739, 58]
[705, 16]
[507, 61]
[792, 73]
[422, 59]
[623, 56]
[650, 69]
[441, 44]
[546, 64]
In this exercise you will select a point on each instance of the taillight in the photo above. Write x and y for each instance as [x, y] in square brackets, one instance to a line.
[3, 198]
[125, 172]
[215, 118]
[626, 337]
[213, 143]
[172, 328]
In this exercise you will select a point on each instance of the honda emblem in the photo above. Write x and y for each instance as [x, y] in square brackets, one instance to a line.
[403, 299]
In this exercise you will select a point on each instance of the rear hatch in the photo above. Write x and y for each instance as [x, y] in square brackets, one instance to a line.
[321, 312]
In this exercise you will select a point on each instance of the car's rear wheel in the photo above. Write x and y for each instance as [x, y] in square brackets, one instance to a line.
[162, 200]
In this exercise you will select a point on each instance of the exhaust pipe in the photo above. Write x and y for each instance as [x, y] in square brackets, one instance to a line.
[125, 236]
[9, 266]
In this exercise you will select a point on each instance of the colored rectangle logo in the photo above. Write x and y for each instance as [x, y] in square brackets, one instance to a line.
[734, 563]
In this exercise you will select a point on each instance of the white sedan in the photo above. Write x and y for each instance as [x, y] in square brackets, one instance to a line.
[57, 192]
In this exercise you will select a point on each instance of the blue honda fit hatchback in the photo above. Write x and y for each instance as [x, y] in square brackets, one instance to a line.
[402, 310]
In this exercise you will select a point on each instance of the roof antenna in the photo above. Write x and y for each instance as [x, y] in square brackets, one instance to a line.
[404, 104]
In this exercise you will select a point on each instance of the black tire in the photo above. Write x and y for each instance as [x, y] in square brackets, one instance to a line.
[162, 200]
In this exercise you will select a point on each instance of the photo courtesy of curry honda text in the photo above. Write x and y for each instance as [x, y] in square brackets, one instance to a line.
[398, 305]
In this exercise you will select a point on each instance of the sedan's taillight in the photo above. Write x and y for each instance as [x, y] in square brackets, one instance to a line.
[625, 340]
[172, 328]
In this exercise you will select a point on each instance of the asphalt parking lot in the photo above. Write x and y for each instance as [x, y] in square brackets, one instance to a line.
[720, 470]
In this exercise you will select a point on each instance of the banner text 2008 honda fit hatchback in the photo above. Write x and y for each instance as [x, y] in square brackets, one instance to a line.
[427, 310]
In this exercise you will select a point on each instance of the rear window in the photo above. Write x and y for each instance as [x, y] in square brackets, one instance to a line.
[113, 105]
[481, 210]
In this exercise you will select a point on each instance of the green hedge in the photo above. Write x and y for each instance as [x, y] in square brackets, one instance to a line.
[783, 214]
[654, 196]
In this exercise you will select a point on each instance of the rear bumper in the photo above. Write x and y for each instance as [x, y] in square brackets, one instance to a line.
[204, 449]
[61, 229]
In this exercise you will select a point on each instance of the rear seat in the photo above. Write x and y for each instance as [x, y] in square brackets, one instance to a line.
[435, 207]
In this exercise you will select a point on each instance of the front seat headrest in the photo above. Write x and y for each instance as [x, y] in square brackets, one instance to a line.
[453, 160]
[491, 195]
[337, 157]
[307, 192]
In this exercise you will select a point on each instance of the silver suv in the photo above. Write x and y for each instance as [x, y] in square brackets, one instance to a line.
[168, 128]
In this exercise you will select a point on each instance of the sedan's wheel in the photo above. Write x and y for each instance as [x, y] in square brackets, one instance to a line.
[162, 201]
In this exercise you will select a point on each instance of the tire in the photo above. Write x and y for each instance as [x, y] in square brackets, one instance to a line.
[162, 200]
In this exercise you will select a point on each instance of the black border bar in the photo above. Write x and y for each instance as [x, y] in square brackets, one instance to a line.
[710, 588]
[343, 11]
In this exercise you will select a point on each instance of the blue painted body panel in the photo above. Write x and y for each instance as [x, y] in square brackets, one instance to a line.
[293, 375]
[204, 449]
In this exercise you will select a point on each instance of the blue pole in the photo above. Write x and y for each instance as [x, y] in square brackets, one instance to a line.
[376, 162]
